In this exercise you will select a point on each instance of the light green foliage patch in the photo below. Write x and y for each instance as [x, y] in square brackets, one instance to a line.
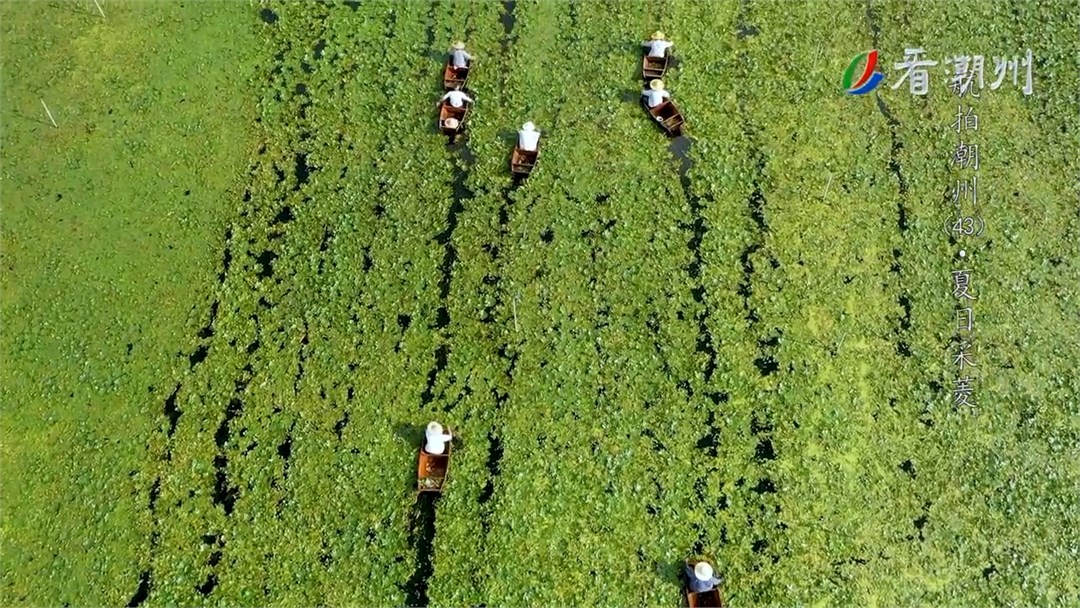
[112, 229]
[738, 349]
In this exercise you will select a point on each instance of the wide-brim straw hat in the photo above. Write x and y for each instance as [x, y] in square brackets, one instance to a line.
[434, 427]
[657, 35]
[451, 123]
[458, 46]
[656, 85]
[528, 127]
[703, 571]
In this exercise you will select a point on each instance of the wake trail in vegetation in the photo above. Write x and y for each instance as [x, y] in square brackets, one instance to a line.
[762, 418]
[501, 396]
[422, 541]
[904, 300]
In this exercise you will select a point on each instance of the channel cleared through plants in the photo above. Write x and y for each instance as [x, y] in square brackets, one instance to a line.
[729, 344]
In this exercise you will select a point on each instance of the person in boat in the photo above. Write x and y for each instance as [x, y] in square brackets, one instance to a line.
[436, 439]
[457, 99]
[658, 46]
[458, 57]
[452, 124]
[655, 94]
[528, 137]
[700, 577]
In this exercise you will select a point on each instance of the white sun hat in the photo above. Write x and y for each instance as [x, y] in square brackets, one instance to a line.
[656, 85]
[451, 123]
[528, 127]
[703, 571]
[434, 428]
[458, 46]
[657, 35]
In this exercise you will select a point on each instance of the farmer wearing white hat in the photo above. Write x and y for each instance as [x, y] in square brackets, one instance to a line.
[658, 46]
[655, 94]
[458, 57]
[700, 577]
[457, 99]
[436, 439]
[528, 137]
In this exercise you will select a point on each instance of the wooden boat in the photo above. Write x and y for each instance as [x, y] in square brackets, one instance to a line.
[667, 116]
[522, 162]
[432, 470]
[705, 599]
[448, 111]
[653, 67]
[455, 78]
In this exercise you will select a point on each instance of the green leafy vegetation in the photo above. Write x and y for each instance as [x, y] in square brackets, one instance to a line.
[112, 232]
[246, 270]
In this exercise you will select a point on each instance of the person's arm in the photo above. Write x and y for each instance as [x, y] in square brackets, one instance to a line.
[466, 98]
[468, 57]
[666, 95]
[443, 98]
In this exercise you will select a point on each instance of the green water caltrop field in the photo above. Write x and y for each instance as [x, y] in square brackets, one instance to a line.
[244, 270]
